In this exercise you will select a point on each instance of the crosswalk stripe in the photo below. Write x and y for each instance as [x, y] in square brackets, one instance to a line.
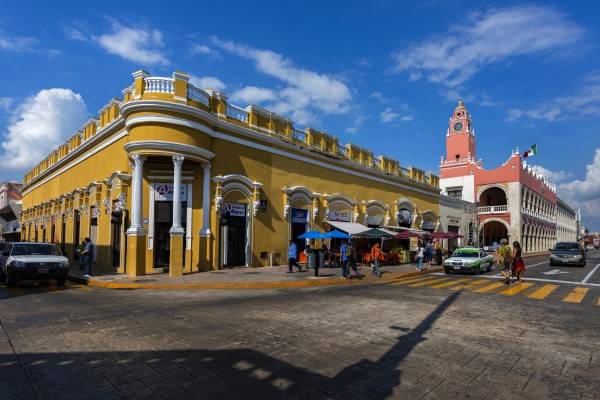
[428, 282]
[516, 289]
[543, 292]
[479, 282]
[454, 282]
[576, 295]
[489, 287]
[598, 302]
[411, 280]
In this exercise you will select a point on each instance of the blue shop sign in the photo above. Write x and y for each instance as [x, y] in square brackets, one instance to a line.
[299, 216]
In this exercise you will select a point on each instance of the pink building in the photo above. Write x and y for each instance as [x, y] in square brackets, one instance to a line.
[513, 201]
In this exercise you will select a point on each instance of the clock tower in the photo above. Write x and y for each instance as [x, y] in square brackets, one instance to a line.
[460, 140]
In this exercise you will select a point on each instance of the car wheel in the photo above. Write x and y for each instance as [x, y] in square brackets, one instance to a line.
[478, 270]
[447, 271]
[11, 279]
[2, 276]
[61, 281]
[551, 264]
[489, 268]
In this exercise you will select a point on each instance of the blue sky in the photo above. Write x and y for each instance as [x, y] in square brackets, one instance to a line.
[383, 74]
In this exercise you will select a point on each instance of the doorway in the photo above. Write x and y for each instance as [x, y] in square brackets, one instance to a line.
[163, 221]
[236, 241]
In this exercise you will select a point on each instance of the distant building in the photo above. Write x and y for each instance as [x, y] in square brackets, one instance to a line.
[513, 201]
[10, 209]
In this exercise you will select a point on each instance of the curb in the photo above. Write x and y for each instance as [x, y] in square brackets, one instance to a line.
[237, 285]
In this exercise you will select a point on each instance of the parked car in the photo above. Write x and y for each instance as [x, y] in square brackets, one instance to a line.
[28, 260]
[589, 247]
[468, 259]
[567, 253]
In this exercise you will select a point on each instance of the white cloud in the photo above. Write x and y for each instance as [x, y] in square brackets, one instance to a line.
[201, 49]
[75, 34]
[42, 123]
[552, 176]
[488, 38]
[585, 102]
[16, 43]
[306, 94]
[584, 194]
[388, 115]
[140, 45]
[207, 82]
[5, 103]
[253, 95]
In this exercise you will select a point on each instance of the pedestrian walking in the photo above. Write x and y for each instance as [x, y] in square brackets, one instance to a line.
[505, 259]
[343, 260]
[419, 257]
[518, 266]
[429, 252]
[78, 256]
[88, 257]
[376, 255]
[293, 257]
[351, 261]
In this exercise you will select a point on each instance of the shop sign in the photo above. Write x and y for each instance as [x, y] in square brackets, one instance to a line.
[234, 209]
[299, 216]
[452, 220]
[164, 192]
[340, 216]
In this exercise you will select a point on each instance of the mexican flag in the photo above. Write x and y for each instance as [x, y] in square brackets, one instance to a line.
[531, 151]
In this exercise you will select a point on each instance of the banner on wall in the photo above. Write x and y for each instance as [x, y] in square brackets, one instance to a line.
[164, 192]
[405, 217]
[235, 209]
[299, 216]
[340, 216]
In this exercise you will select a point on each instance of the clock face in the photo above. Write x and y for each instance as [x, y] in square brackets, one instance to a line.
[458, 126]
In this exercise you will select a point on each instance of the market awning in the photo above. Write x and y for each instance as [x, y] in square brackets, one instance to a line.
[351, 228]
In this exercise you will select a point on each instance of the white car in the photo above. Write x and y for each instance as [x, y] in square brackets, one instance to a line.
[28, 260]
[469, 259]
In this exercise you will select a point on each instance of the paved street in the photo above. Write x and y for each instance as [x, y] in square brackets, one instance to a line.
[422, 337]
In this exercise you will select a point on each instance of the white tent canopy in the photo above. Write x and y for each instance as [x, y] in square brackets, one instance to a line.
[351, 228]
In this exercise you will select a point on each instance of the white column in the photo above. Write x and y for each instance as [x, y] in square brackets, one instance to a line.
[205, 230]
[176, 228]
[136, 228]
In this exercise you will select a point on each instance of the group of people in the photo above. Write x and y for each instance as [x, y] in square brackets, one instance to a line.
[347, 257]
[509, 261]
[425, 253]
[85, 256]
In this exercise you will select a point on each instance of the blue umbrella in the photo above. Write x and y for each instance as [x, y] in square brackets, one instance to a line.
[314, 234]
[335, 234]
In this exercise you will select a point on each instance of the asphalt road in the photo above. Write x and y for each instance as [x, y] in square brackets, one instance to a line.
[433, 337]
[539, 270]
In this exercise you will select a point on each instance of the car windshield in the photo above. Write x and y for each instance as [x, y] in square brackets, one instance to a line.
[35, 249]
[567, 247]
[459, 253]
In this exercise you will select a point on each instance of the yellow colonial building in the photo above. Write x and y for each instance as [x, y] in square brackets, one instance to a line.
[151, 180]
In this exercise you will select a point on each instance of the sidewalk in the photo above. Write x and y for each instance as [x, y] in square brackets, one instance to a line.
[247, 278]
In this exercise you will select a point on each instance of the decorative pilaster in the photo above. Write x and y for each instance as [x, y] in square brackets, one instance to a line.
[136, 228]
[205, 230]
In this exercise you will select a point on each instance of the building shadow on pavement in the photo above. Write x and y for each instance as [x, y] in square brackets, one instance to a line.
[206, 374]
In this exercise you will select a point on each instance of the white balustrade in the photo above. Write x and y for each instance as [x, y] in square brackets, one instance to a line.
[492, 209]
[237, 113]
[198, 94]
[159, 85]
[342, 151]
[299, 135]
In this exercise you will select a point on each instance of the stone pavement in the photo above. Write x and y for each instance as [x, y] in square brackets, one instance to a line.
[248, 278]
